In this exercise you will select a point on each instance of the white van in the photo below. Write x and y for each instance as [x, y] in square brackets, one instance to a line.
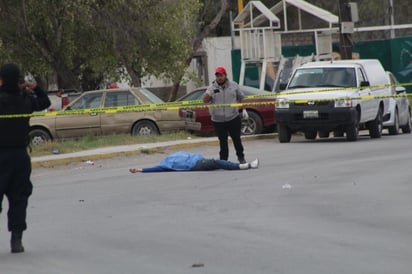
[334, 96]
[399, 108]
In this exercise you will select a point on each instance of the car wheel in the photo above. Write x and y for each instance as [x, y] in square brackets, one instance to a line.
[252, 125]
[323, 134]
[375, 126]
[39, 137]
[284, 133]
[407, 127]
[144, 128]
[352, 131]
[310, 135]
[394, 130]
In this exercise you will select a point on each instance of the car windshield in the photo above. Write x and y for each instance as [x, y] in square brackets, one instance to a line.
[150, 96]
[120, 98]
[323, 77]
[247, 91]
[92, 100]
[195, 95]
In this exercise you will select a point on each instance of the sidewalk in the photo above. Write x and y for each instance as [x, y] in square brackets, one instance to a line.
[109, 152]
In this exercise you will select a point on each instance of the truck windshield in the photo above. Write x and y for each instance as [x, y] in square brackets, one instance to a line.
[323, 77]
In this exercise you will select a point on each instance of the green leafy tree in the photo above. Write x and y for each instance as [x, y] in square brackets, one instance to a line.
[128, 25]
[54, 36]
[157, 37]
[87, 42]
[171, 44]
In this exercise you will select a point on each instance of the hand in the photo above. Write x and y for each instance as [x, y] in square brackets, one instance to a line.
[30, 85]
[134, 170]
[207, 98]
[245, 115]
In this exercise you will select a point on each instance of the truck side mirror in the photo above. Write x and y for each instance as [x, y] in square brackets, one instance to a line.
[400, 90]
[365, 84]
[282, 86]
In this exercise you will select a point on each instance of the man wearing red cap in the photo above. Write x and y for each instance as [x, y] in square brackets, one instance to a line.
[226, 120]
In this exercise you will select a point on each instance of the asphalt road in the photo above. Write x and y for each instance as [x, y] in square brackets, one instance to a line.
[324, 206]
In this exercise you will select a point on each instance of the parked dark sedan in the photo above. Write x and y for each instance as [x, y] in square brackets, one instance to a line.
[261, 117]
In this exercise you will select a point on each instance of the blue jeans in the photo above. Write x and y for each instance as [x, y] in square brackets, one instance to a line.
[212, 164]
[201, 165]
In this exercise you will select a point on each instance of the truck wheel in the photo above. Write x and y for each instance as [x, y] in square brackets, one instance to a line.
[284, 134]
[394, 130]
[352, 131]
[252, 125]
[375, 126]
[338, 133]
[323, 134]
[407, 127]
[310, 135]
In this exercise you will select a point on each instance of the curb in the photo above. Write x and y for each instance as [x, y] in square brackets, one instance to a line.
[48, 163]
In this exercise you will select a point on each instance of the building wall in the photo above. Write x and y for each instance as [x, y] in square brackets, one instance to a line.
[394, 54]
[218, 54]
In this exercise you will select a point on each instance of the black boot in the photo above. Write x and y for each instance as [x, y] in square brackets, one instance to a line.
[15, 242]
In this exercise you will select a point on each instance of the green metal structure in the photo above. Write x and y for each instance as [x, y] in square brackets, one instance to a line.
[394, 54]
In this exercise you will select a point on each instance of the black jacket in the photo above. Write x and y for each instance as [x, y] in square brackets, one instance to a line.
[14, 132]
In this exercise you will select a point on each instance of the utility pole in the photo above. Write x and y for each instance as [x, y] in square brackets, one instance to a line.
[239, 6]
[345, 30]
[391, 18]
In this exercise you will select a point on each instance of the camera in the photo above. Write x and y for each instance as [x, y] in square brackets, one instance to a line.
[216, 90]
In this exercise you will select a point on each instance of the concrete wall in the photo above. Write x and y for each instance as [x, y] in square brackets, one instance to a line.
[218, 54]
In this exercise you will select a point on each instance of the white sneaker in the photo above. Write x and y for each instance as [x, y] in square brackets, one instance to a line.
[244, 166]
[254, 163]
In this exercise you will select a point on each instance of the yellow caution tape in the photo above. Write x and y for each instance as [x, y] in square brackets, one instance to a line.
[194, 104]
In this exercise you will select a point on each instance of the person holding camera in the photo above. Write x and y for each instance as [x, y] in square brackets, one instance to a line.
[226, 119]
[18, 100]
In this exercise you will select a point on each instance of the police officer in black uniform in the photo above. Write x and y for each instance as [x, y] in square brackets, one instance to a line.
[15, 163]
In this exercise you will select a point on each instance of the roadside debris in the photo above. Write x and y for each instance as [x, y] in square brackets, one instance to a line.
[286, 186]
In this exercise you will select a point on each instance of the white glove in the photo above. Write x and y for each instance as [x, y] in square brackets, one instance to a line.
[245, 116]
[209, 92]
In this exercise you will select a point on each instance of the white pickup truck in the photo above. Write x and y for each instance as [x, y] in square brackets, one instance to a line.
[334, 96]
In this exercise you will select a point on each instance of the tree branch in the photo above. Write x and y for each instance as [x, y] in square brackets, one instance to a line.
[197, 42]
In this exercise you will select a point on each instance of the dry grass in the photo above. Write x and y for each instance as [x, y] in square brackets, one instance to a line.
[91, 142]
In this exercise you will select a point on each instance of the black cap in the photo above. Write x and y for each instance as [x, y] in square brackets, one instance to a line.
[10, 74]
